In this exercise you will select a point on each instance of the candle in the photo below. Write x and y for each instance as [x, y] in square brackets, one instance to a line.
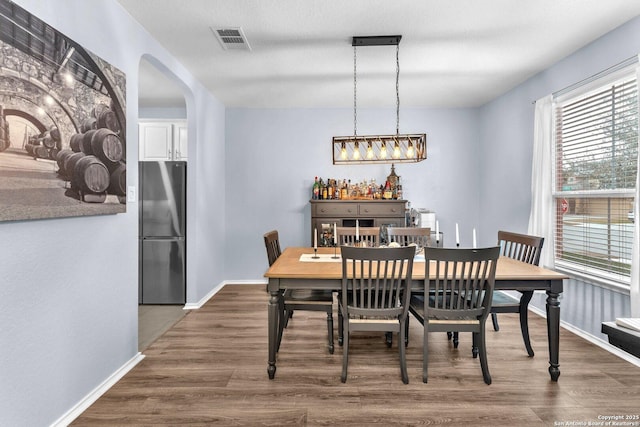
[335, 234]
[457, 235]
[474, 238]
[315, 239]
[357, 230]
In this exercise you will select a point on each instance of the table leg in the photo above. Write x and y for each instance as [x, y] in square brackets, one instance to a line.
[553, 333]
[274, 318]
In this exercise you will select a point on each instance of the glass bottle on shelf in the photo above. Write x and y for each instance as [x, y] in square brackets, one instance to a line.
[316, 190]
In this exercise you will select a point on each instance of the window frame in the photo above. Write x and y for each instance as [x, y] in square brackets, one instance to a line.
[599, 82]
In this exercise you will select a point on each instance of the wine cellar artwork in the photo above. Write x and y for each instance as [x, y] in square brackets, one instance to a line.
[62, 124]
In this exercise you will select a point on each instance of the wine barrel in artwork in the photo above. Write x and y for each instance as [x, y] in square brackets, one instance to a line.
[70, 164]
[88, 124]
[75, 142]
[106, 145]
[29, 149]
[108, 120]
[118, 180]
[90, 175]
[98, 109]
[41, 152]
[61, 158]
[86, 141]
[47, 140]
[53, 153]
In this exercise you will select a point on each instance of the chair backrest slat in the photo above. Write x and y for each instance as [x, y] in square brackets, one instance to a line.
[376, 279]
[462, 283]
[407, 235]
[522, 247]
[347, 235]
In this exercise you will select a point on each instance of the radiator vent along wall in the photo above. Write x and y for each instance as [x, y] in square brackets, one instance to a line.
[231, 38]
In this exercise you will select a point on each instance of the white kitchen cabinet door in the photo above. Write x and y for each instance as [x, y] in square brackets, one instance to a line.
[180, 141]
[156, 141]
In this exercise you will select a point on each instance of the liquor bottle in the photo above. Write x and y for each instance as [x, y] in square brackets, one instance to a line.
[330, 189]
[388, 194]
[323, 187]
[344, 191]
[316, 190]
[320, 187]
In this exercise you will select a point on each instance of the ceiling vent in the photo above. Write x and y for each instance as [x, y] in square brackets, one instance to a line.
[231, 38]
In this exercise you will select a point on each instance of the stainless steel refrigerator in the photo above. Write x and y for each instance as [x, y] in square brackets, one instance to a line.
[163, 206]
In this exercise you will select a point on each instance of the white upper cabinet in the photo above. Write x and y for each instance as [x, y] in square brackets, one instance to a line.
[162, 140]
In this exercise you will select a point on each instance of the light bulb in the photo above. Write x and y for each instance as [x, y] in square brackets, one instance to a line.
[383, 151]
[343, 152]
[356, 151]
[396, 151]
[369, 152]
[410, 152]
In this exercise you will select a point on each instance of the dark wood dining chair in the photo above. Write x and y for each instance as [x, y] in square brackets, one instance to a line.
[457, 298]
[375, 293]
[405, 236]
[299, 299]
[369, 236]
[525, 248]
[346, 236]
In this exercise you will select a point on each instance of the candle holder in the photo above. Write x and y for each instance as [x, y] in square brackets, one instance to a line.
[315, 253]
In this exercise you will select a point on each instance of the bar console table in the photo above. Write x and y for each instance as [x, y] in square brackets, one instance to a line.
[344, 213]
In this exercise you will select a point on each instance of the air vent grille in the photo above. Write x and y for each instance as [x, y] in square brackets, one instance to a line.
[231, 38]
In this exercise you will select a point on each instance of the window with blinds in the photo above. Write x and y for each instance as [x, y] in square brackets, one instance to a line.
[596, 152]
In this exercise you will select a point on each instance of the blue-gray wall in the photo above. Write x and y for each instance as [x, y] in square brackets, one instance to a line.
[69, 287]
[273, 156]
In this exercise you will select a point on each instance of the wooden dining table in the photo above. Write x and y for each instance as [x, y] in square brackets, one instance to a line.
[296, 268]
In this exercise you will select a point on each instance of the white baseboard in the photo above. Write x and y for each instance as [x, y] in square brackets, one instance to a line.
[95, 394]
[203, 300]
[592, 339]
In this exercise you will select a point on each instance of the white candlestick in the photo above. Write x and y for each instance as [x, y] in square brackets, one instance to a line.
[457, 235]
[357, 230]
[315, 239]
[474, 238]
[335, 234]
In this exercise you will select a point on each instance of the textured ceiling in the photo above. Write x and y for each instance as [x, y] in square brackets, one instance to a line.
[453, 53]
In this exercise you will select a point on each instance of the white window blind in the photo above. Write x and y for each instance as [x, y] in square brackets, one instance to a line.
[596, 148]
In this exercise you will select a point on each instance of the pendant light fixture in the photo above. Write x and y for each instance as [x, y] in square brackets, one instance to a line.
[362, 149]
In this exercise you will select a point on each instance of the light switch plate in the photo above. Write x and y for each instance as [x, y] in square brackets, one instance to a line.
[131, 193]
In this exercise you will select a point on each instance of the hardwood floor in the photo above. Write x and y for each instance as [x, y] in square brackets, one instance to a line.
[211, 369]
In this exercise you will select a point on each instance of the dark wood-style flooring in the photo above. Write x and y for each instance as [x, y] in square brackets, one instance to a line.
[210, 369]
